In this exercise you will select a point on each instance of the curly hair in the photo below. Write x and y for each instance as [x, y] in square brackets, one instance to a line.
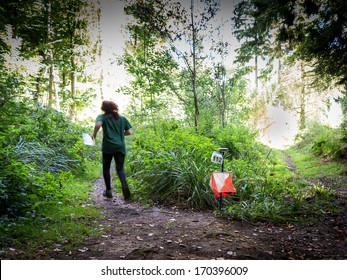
[111, 109]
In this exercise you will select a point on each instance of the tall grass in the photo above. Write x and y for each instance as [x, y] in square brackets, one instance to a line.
[323, 141]
[42, 161]
[174, 167]
[62, 220]
[43, 145]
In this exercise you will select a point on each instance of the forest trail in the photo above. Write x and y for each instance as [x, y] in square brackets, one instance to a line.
[130, 231]
[337, 183]
[289, 162]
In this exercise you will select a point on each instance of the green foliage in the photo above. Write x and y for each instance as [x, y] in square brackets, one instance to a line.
[175, 166]
[54, 33]
[38, 146]
[55, 222]
[310, 28]
[259, 177]
[266, 191]
[320, 152]
[172, 167]
[240, 141]
[326, 142]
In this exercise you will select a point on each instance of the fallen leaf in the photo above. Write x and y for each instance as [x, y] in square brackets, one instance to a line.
[231, 253]
[83, 250]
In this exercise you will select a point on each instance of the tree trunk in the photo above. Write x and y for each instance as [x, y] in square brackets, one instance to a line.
[101, 77]
[50, 56]
[223, 95]
[224, 104]
[37, 94]
[38, 90]
[57, 100]
[196, 105]
[50, 86]
[256, 73]
[73, 90]
[302, 98]
[279, 73]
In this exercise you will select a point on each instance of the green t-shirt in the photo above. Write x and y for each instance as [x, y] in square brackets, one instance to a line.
[113, 139]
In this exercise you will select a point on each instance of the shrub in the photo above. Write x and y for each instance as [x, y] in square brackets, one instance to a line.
[324, 141]
[175, 166]
[172, 168]
[37, 145]
[240, 141]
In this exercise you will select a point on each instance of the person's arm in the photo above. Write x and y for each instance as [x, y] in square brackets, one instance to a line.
[128, 132]
[96, 129]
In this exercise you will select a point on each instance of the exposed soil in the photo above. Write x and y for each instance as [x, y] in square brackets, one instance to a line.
[130, 231]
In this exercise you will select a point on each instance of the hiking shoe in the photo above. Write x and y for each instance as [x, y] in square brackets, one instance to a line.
[107, 193]
[126, 194]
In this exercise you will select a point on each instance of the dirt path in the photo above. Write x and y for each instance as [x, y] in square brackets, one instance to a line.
[289, 163]
[129, 231]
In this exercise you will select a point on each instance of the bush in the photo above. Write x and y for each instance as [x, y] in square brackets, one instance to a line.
[37, 146]
[172, 168]
[241, 143]
[327, 142]
[175, 166]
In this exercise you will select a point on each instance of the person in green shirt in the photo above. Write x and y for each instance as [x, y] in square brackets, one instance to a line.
[115, 127]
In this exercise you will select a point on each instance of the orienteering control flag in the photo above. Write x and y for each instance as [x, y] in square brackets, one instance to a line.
[222, 184]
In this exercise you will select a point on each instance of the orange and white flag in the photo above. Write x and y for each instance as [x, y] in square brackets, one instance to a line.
[222, 183]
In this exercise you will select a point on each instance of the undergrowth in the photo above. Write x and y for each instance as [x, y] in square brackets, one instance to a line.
[174, 167]
[46, 174]
[321, 152]
[55, 224]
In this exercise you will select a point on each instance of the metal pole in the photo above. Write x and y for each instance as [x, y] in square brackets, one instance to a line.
[222, 166]
[220, 200]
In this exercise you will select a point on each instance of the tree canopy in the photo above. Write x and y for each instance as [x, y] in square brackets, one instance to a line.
[315, 30]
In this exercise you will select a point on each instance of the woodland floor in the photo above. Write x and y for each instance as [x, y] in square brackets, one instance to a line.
[130, 231]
